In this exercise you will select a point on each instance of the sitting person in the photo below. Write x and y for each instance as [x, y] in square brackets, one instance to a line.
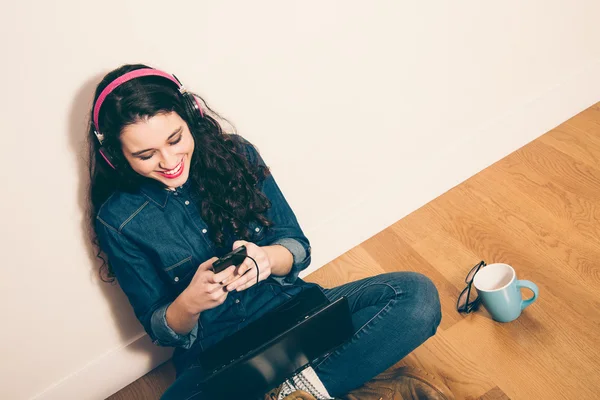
[171, 191]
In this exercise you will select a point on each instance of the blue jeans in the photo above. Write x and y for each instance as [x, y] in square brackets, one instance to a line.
[392, 314]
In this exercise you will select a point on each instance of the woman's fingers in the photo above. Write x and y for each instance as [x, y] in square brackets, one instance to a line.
[248, 276]
[223, 276]
[239, 243]
[214, 288]
[251, 281]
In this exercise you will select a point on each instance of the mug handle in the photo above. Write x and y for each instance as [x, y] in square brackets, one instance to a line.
[531, 286]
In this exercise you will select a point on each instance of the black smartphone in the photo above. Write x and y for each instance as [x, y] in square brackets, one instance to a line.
[236, 257]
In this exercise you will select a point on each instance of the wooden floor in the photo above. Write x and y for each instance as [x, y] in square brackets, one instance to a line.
[538, 210]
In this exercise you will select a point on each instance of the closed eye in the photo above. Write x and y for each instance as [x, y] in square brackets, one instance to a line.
[173, 143]
[146, 157]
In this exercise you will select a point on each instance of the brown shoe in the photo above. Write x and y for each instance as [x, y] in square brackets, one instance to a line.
[297, 395]
[404, 383]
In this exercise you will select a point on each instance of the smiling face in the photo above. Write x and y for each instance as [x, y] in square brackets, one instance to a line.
[160, 148]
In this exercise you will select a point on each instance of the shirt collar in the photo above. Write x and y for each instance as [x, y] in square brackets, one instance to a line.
[156, 191]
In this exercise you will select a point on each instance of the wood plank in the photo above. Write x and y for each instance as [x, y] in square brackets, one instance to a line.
[567, 206]
[579, 145]
[495, 394]
[587, 121]
[567, 244]
[461, 373]
[569, 173]
[523, 365]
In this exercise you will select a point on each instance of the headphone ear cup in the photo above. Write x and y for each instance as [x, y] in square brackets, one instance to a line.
[192, 108]
[107, 157]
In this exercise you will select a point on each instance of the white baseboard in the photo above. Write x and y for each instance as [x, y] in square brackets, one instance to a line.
[387, 204]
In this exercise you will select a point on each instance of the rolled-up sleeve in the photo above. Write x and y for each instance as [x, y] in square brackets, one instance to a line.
[165, 336]
[147, 293]
[295, 247]
[301, 256]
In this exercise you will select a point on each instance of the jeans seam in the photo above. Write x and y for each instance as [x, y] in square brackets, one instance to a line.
[193, 395]
[369, 284]
[387, 306]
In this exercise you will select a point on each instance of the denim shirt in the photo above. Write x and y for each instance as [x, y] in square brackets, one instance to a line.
[156, 239]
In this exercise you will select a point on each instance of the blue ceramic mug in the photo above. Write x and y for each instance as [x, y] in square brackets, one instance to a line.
[500, 293]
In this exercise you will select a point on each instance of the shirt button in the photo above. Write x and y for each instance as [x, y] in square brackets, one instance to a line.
[176, 279]
[257, 229]
[204, 230]
[187, 202]
[237, 301]
[175, 194]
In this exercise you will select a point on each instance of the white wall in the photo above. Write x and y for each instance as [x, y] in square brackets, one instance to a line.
[365, 111]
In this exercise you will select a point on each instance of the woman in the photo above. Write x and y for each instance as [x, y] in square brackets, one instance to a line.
[170, 192]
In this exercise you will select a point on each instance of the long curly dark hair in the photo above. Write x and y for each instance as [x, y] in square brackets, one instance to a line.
[221, 176]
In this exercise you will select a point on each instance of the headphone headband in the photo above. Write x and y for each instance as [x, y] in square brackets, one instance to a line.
[125, 78]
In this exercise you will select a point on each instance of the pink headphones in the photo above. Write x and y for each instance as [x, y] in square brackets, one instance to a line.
[191, 104]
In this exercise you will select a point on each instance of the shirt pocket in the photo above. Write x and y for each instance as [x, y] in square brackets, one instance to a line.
[180, 271]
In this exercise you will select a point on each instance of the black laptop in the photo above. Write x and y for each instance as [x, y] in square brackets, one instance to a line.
[266, 352]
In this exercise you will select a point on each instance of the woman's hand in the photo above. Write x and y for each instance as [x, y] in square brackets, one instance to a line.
[247, 270]
[207, 290]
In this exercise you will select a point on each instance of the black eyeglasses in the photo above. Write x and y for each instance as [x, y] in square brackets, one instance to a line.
[468, 300]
